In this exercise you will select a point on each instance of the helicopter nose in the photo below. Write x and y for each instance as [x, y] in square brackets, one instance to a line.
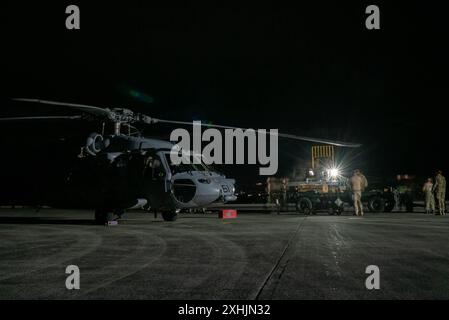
[197, 191]
[207, 192]
[184, 190]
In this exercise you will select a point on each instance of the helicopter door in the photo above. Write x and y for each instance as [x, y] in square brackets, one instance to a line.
[155, 178]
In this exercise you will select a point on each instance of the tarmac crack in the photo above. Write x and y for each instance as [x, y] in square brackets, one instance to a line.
[279, 260]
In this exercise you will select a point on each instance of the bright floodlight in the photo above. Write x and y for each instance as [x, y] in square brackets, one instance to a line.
[334, 173]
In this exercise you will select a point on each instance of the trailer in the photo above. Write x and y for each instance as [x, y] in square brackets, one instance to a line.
[335, 197]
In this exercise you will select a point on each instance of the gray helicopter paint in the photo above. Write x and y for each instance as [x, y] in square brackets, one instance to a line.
[219, 189]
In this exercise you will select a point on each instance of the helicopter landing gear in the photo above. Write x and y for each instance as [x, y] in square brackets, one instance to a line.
[169, 215]
[103, 216]
[118, 213]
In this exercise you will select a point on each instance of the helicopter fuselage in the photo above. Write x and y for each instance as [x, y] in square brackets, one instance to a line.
[136, 172]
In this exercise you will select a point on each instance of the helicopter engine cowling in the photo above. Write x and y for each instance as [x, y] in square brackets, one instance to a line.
[96, 143]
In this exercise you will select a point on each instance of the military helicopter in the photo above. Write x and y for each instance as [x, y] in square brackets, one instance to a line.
[124, 170]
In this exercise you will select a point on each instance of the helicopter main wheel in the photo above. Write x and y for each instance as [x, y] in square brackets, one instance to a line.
[169, 215]
[117, 214]
[103, 216]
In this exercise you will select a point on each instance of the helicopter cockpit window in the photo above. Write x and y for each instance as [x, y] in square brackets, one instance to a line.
[153, 167]
[156, 163]
[184, 167]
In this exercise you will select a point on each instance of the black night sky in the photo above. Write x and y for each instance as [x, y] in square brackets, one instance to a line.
[306, 70]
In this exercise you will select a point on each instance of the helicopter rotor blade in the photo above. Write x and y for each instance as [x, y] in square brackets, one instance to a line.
[282, 135]
[41, 118]
[149, 120]
[91, 109]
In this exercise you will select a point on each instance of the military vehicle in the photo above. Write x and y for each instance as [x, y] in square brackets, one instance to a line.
[326, 189]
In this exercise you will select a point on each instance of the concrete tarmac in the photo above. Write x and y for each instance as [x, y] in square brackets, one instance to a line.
[256, 256]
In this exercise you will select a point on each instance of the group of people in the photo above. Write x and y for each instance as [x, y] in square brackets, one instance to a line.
[437, 189]
[431, 190]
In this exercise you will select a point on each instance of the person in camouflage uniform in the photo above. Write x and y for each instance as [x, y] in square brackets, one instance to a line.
[440, 190]
[358, 183]
[428, 192]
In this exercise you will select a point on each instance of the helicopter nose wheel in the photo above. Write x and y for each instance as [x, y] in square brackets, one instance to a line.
[171, 215]
[103, 216]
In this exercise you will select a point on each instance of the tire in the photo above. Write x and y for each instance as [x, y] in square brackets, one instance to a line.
[169, 215]
[118, 213]
[304, 205]
[389, 206]
[376, 204]
[339, 210]
[102, 216]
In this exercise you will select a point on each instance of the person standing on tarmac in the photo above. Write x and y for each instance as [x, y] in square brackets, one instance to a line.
[440, 190]
[430, 199]
[358, 184]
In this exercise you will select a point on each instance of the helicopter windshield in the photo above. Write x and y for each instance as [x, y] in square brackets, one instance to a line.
[185, 167]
